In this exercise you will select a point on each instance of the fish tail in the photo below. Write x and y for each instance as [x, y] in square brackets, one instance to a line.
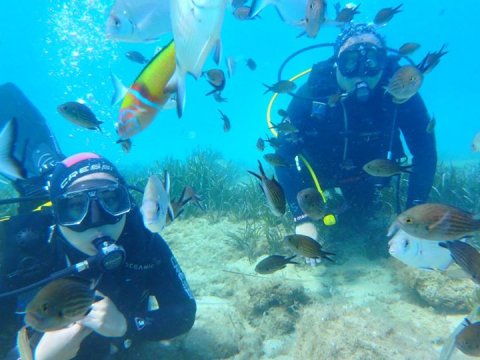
[289, 260]
[255, 174]
[217, 53]
[397, 8]
[269, 88]
[177, 84]
[326, 255]
[257, 6]
[260, 167]
[211, 92]
[9, 166]
[120, 90]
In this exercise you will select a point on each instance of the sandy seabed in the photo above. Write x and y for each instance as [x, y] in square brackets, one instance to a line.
[355, 309]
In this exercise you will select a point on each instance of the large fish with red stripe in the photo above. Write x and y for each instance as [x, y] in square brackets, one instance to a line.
[148, 94]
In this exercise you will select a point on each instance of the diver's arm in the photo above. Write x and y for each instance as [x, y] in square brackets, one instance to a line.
[292, 181]
[413, 121]
[61, 344]
[176, 310]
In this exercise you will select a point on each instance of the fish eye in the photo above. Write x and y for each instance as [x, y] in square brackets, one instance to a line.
[45, 307]
[408, 220]
[60, 313]
[116, 21]
[407, 242]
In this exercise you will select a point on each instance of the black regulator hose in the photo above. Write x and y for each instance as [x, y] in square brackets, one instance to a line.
[109, 257]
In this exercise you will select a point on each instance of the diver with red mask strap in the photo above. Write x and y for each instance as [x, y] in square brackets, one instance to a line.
[93, 230]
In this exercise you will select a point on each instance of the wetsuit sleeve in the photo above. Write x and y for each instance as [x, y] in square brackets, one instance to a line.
[176, 306]
[413, 122]
[290, 146]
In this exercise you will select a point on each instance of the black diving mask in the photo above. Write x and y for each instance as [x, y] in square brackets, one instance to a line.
[362, 59]
[94, 203]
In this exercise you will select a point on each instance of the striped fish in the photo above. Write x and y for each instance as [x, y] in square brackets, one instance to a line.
[306, 246]
[466, 256]
[404, 83]
[436, 222]
[273, 263]
[80, 114]
[59, 303]
[273, 192]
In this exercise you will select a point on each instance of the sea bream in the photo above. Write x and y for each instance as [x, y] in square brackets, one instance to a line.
[419, 253]
[148, 94]
[196, 27]
[138, 20]
[156, 205]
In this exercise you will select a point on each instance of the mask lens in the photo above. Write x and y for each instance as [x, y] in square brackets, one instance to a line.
[115, 200]
[71, 209]
[348, 62]
[362, 60]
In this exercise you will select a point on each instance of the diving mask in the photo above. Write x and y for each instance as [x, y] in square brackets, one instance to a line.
[362, 59]
[93, 203]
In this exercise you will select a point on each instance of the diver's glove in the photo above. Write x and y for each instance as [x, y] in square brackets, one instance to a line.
[308, 229]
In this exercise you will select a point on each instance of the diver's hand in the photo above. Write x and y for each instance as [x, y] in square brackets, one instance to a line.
[61, 344]
[308, 229]
[105, 319]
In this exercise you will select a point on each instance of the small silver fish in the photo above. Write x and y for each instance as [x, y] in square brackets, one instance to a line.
[156, 206]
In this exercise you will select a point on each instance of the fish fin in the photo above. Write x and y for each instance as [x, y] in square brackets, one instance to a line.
[255, 174]
[178, 83]
[211, 92]
[166, 183]
[325, 255]
[170, 212]
[260, 167]
[120, 90]
[392, 229]
[289, 260]
[9, 166]
[257, 6]
[217, 53]
[269, 88]
[301, 34]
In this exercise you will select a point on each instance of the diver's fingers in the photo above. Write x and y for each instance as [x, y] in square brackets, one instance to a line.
[313, 261]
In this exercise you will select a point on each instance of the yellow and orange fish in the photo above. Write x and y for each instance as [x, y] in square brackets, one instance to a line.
[148, 94]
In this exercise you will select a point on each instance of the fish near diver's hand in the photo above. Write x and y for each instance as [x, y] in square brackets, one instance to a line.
[308, 229]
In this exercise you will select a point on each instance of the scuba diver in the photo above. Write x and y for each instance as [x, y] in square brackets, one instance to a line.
[338, 134]
[90, 228]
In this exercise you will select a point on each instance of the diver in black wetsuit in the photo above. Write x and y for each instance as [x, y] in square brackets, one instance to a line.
[144, 293]
[338, 138]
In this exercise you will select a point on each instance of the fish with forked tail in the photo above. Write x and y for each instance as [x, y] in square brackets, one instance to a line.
[273, 263]
[156, 205]
[306, 246]
[273, 192]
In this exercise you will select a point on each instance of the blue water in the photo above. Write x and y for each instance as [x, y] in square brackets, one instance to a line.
[56, 52]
